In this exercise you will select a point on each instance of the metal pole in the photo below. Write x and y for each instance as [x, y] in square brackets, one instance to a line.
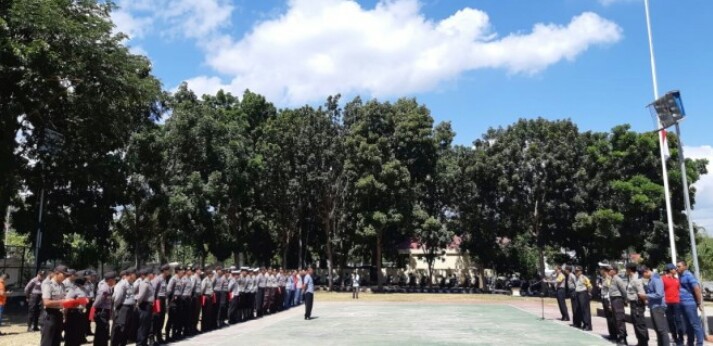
[667, 193]
[38, 239]
[687, 201]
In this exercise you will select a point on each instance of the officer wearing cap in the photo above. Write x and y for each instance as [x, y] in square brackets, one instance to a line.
[33, 294]
[582, 289]
[252, 290]
[174, 290]
[220, 296]
[636, 296]
[124, 303]
[570, 286]
[604, 288]
[53, 296]
[260, 294]
[617, 296]
[159, 286]
[90, 287]
[234, 295]
[74, 325]
[145, 299]
[186, 301]
[102, 309]
[69, 280]
[196, 305]
[243, 296]
[207, 299]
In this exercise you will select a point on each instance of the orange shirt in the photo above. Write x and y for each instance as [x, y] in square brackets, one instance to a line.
[3, 296]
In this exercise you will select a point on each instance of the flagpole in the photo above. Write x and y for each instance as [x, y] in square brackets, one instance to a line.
[662, 143]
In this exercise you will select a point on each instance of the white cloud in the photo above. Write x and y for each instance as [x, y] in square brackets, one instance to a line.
[611, 2]
[194, 19]
[703, 209]
[206, 85]
[321, 47]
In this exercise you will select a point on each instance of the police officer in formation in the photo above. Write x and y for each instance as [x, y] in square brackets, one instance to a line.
[103, 305]
[33, 294]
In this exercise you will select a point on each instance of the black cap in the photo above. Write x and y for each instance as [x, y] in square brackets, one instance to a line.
[219, 268]
[179, 268]
[632, 266]
[61, 269]
[122, 273]
[142, 272]
[578, 268]
[165, 267]
[644, 268]
[130, 271]
[71, 272]
[110, 275]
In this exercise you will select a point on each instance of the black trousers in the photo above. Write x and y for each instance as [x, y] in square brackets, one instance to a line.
[208, 314]
[173, 312]
[639, 321]
[159, 319]
[658, 319]
[233, 316]
[617, 306]
[185, 315]
[309, 300]
[121, 328]
[585, 314]
[74, 327]
[101, 321]
[35, 307]
[221, 299]
[195, 313]
[355, 292]
[562, 303]
[52, 324]
[259, 301]
[609, 315]
[576, 314]
[675, 322]
[144, 325]
[88, 327]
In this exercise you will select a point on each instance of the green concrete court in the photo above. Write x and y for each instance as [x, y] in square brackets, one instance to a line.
[357, 323]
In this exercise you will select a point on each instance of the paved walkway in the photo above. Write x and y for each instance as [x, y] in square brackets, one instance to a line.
[359, 323]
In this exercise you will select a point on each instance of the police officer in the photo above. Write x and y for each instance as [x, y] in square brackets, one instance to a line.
[75, 325]
[173, 291]
[635, 295]
[308, 289]
[604, 288]
[144, 299]
[234, 295]
[124, 304]
[159, 286]
[260, 293]
[570, 285]
[197, 278]
[220, 295]
[582, 289]
[207, 297]
[33, 293]
[270, 288]
[560, 282]
[90, 286]
[243, 295]
[281, 292]
[617, 296]
[185, 302]
[53, 296]
[102, 309]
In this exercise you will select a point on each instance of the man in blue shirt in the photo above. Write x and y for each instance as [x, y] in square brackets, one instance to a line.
[655, 299]
[691, 300]
[308, 288]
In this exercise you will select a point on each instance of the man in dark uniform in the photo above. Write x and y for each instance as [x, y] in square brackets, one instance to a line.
[52, 299]
[173, 292]
[560, 281]
[124, 304]
[144, 299]
[159, 286]
[102, 309]
[33, 293]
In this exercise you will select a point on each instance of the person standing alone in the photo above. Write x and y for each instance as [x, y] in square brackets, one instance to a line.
[308, 288]
[355, 285]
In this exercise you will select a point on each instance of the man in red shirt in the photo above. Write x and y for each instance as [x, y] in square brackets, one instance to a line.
[674, 315]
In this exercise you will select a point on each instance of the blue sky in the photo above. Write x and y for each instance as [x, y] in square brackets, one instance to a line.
[478, 64]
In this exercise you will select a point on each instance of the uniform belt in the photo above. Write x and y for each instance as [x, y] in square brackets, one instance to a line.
[53, 310]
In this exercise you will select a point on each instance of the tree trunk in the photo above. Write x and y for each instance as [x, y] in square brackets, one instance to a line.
[328, 233]
[379, 274]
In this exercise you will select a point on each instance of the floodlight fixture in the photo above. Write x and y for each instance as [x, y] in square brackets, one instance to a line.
[668, 109]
